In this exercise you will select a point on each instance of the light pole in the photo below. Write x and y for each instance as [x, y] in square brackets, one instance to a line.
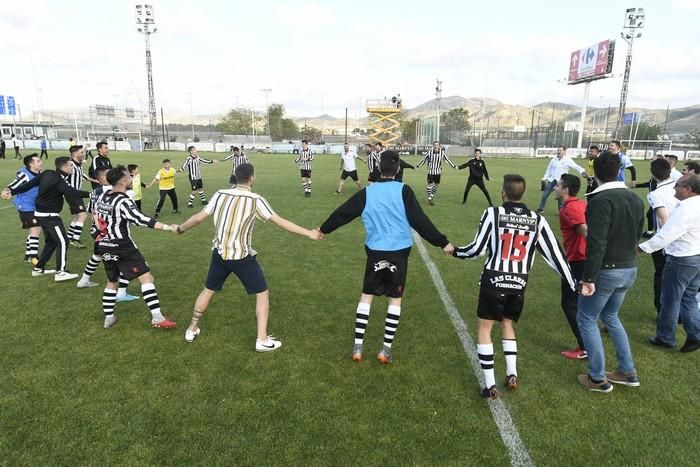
[267, 92]
[634, 20]
[145, 22]
[438, 96]
[191, 117]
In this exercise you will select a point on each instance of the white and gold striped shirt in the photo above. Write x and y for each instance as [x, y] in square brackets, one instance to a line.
[234, 212]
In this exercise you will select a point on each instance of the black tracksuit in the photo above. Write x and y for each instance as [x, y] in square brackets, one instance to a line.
[48, 206]
[477, 172]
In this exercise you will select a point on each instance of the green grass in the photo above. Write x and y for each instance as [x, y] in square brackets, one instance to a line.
[72, 393]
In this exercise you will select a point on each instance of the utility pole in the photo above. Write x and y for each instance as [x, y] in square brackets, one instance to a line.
[634, 20]
[145, 22]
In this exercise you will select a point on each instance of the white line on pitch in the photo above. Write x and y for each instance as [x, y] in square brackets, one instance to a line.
[519, 455]
[6, 207]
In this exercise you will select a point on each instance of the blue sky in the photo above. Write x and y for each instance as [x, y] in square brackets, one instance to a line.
[328, 55]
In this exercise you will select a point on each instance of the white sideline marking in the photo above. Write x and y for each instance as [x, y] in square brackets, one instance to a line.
[519, 455]
[6, 207]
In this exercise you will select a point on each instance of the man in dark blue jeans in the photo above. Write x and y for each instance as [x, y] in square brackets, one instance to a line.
[615, 219]
[679, 238]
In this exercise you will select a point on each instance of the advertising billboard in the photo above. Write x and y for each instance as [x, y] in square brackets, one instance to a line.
[593, 62]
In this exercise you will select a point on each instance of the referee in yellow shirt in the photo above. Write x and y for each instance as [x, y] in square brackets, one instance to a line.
[166, 184]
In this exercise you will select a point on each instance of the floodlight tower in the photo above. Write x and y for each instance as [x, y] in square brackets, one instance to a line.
[634, 21]
[438, 96]
[145, 24]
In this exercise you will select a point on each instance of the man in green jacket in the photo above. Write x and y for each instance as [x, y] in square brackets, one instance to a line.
[615, 219]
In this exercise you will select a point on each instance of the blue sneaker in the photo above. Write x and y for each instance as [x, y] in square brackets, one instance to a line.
[127, 297]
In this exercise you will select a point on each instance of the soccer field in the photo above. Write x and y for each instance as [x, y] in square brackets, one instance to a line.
[72, 393]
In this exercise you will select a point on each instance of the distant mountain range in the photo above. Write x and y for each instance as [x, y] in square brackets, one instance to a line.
[493, 113]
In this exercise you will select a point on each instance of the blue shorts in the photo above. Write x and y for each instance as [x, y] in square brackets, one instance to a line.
[247, 270]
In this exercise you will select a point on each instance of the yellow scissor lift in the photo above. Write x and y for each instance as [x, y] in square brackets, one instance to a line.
[384, 121]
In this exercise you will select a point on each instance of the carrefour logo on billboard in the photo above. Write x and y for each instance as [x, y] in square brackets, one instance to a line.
[591, 62]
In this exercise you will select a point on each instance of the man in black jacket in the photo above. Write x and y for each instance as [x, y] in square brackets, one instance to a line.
[102, 161]
[477, 172]
[615, 219]
[48, 206]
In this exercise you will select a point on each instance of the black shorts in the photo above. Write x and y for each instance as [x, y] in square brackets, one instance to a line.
[247, 270]
[76, 205]
[28, 220]
[351, 174]
[232, 179]
[305, 173]
[374, 176]
[495, 306]
[434, 178]
[385, 273]
[125, 260]
[196, 184]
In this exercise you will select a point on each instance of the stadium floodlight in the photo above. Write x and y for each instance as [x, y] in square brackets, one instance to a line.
[438, 96]
[635, 19]
[145, 22]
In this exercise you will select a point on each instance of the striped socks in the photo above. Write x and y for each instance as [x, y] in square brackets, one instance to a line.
[485, 352]
[202, 198]
[123, 284]
[391, 323]
[361, 320]
[431, 191]
[31, 246]
[306, 186]
[75, 230]
[150, 296]
[190, 200]
[510, 351]
[91, 266]
[109, 299]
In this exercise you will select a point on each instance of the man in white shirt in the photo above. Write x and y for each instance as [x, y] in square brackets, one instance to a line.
[662, 201]
[557, 167]
[15, 144]
[673, 160]
[348, 167]
[680, 238]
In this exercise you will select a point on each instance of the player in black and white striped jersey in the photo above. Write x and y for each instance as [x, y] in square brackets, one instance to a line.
[76, 205]
[237, 157]
[304, 159]
[193, 165]
[372, 163]
[511, 233]
[95, 260]
[114, 212]
[434, 158]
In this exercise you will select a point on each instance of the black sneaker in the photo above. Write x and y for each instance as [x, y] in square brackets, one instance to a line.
[175, 211]
[492, 392]
[156, 215]
[690, 346]
[189, 205]
[655, 341]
